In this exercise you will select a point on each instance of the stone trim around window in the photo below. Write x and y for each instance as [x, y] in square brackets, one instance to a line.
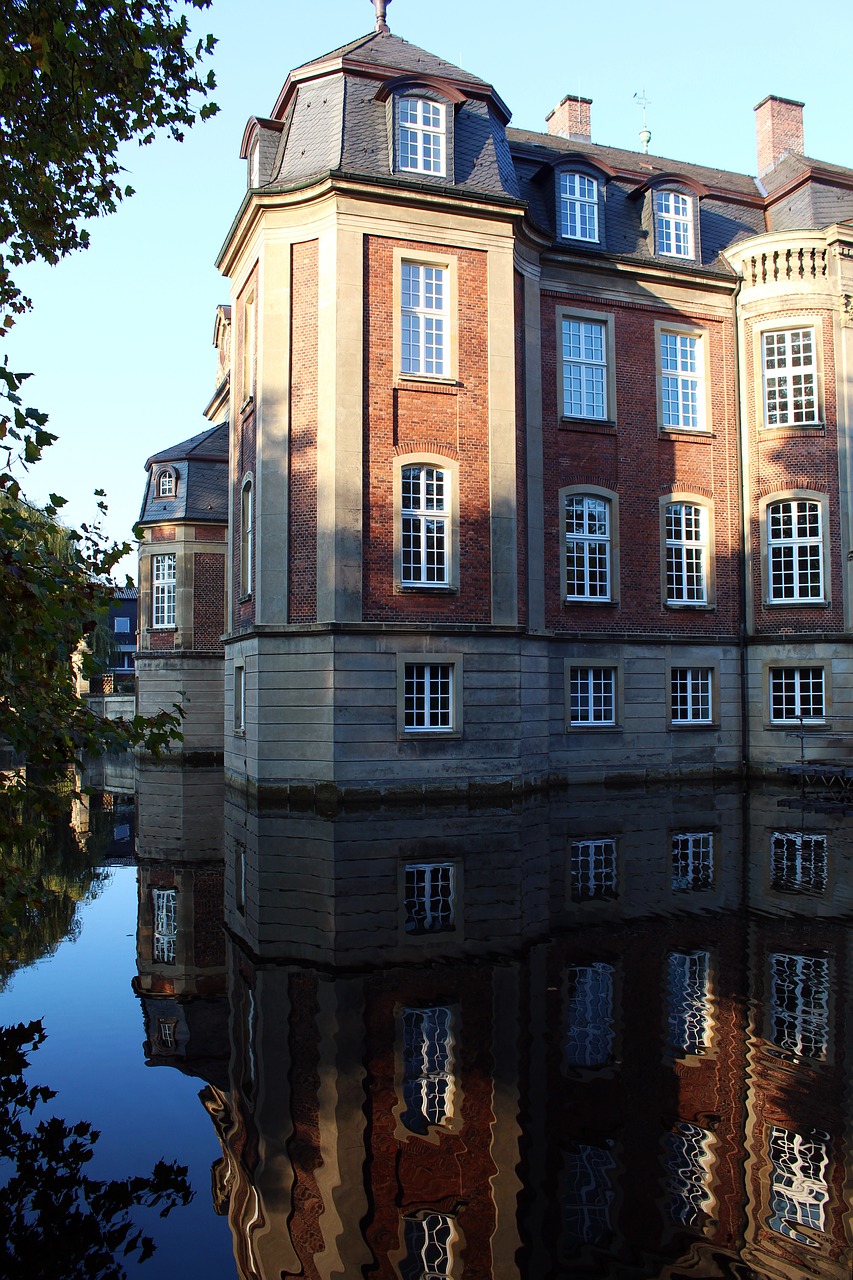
[584, 315]
[427, 733]
[449, 264]
[612, 499]
[450, 467]
[786, 322]
[824, 601]
[708, 544]
[704, 426]
[597, 663]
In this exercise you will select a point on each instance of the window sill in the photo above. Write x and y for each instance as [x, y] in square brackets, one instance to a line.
[789, 430]
[601, 426]
[418, 735]
[425, 589]
[244, 599]
[240, 733]
[678, 726]
[593, 728]
[794, 726]
[687, 433]
[586, 601]
[160, 630]
[427, 382]
[688, 606]
[798, 604]
[247, 404]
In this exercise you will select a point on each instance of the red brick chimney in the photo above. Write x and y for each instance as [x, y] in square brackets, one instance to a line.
[778, 129]
[570, 118]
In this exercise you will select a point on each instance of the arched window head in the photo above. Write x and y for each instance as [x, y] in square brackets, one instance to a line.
[166, 485]
[247, 537]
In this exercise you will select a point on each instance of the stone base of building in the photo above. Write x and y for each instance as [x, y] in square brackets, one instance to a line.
[195, 683]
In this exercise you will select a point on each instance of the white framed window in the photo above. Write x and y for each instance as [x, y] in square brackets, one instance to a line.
[795, 550]
[682, 365]
[429, 1083]
[590, 1029]
[689, 1001]
[692, 861]
[121, 625]
[584, 369]
[796, 694]
[674, 224]
[422, 136]
[424, 319]
[799, 1005]
[166, 1033]
[578, 207]
[790, 377]
[428, 1247]
[428, 696]
[247, 536]
[592, 870]
[239, 699]
[166, 484]
[425, 526]
[689, 1162]
[164, 903]
[799, 1192]
[592, 696]
[163, 570]
[798, 862]
[429, 897]
[691, 695]
[587, 528]
[240, 879]
[686, 534]
[586, 1195]
[249, 321]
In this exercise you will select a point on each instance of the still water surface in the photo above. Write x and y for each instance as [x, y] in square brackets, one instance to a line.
[605, 1036]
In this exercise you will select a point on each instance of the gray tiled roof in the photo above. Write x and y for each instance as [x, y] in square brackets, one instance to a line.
[212, 443]
[200, 465]
[382, 49]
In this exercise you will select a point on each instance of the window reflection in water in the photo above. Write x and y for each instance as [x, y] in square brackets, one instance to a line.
[589, 1015]
[799, 1191]
[688, 1167]
[688, 989]
[798, 862]
[587, 1195]
[428, 1082]
[427, 1243]
[799, 1005]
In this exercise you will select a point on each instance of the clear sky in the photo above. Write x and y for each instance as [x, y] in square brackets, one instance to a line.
[120, 341]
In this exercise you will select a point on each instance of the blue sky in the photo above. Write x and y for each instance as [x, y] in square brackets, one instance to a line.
[120, 337]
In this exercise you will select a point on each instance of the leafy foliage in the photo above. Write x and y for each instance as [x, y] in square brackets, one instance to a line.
[56, 1221]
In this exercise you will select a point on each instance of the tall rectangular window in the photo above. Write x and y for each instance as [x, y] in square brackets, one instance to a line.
[799, 1005]
[428, 696]
[164, 903]
[425, 511]
[239, 699]
[796, 693]
[430, 897]
[688, 1164]
[692, 861]
[689, 998]
[424, 302]
[592, 695]
[428, 1244]
[163, 590]
[795, 550]
[799, 1192]
[790, 387]
[686, 554]
[682, 391]
[428, 1079]
[578, 207]
[247, 537]
[690, 695]
[587, 522]
[592, 870]
[673, 224]
[589, 1015]
[421, 140]
[249, 347]
[587, 1195]
[584, 369]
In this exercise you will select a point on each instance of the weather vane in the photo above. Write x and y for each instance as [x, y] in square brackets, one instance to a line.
[380, 6]
[645, 133]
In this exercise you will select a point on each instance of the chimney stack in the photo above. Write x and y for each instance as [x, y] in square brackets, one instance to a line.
[778, 129]
[570, 118]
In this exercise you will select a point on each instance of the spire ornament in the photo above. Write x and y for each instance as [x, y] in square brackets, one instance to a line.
[380, 6]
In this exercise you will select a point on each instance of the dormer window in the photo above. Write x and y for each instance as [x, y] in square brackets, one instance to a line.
[421, 142]
[578, 207]
[674, 224]
[166, 484]
[255, 164]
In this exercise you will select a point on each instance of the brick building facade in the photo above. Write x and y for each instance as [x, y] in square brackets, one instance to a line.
[538, 448]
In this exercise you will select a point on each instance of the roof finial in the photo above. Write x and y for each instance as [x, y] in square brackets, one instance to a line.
[645, 133]
[380, 6]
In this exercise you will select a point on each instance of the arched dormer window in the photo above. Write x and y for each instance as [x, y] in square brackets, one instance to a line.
[421, 125]
[166, 483]
[671, 216]
[578, 208]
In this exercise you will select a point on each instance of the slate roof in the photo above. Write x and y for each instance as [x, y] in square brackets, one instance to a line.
[390, 52]
[200, 465]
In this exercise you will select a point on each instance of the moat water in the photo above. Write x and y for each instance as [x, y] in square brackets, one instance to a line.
[604, 1035]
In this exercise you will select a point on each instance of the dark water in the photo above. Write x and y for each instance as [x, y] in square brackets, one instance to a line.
[605, 1036]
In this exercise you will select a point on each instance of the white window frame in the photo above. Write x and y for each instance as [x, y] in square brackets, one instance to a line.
[247, 535]
[584, 348]
[674, 231]
[686, 560]
[239, 698]
[166, 484]
[429, 697]
[578, 207]
[429, 1240]
[790, 377]
[799, 1007]
[797, 688]
[425, 525]
[799, 1192]
[691, 695]
[163, 590]
[424, 319]
[587, 540]
[429, 898]
[428, 1078]
[689, 1001]
[592, 696]
[689, 1165]
[795, 551]
[421, 136]
[681, 360]
[164, 911]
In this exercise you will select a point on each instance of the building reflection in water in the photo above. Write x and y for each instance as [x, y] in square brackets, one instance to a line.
[604, 1036]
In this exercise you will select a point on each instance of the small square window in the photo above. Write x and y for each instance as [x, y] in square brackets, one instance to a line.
[592, 696]
[796, 695]
[121, 625]
[592, 870]
[691, 695]
[428, 696]
[692, 861]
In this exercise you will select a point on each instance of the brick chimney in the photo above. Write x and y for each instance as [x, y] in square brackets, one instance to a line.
[570, 118]
[778, 129]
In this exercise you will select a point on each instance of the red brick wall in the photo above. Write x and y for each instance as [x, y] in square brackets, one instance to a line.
[521, 448]
[162, 533]
[244, 433]
[208, 932]
[208, 600]
[161, 641]
[794, 458]
[435, 418]
[641, 467]
[302, 555]
[210, 533]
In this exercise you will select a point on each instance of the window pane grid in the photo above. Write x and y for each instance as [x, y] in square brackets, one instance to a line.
[587, 548]
[688, 989]
[424, 319]
[690, 695]
[424, 527]
[680, 358]
[429, 897]
[798, 862]
[592, 695]
[589, 1015]
[689, 1161]
[428, 696]
[673, 218]
[164, 903]
[796, 693]
[798, 1188]
[692, 861]
[428, 1082]
[790, 397]
[584, 370]
[163, 578]
[795, 544]
[421, 135]
[799, 1005]
[578, 207]
[592, 870]
[685, 554]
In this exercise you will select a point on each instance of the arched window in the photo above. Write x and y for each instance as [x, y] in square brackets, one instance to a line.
[247, 537]
[674, 229]
[686, 570]
[578, 207]
[795, 550]
[166, 484]
[587, 546]
[421, 136]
